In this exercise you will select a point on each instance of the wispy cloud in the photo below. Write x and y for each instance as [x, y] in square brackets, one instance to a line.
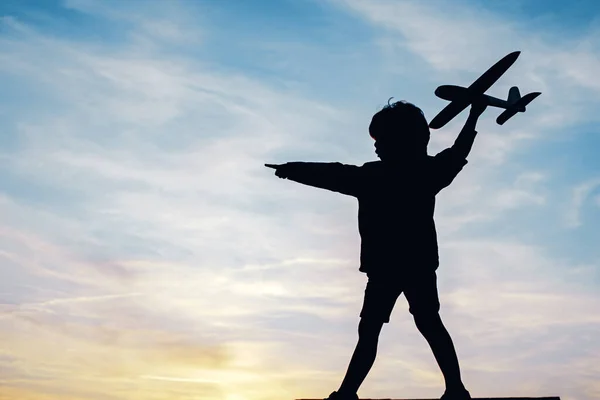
[580, 194]
[147, 253]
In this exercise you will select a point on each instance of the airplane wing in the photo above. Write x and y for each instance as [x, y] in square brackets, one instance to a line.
[506, 115]
[489, 77]
[450, 111]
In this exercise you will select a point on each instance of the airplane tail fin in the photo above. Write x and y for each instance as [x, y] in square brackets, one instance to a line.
[518, 106]
[513, 95]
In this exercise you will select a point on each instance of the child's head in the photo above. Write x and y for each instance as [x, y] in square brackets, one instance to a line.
[400, 130]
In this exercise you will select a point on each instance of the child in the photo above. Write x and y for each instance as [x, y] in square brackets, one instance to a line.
[399, 251]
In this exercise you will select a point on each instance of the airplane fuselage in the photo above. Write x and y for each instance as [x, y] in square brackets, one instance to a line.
[464, 95]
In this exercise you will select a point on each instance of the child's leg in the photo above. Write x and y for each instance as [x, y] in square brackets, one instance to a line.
[434, 331]
[364, 355]
[379, 301]
[422, 297]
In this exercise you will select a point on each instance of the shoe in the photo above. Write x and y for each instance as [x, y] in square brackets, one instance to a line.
[337, 396]
[461, 394]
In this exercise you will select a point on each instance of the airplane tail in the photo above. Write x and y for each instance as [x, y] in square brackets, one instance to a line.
[518, 106]
[513, 95]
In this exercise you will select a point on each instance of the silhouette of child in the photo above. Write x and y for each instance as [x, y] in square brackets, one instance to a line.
[399, 250]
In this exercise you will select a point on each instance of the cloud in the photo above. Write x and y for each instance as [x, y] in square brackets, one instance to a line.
[579, 195]
[557, 64]
[146, 217]
[521, 194]
[147, 253]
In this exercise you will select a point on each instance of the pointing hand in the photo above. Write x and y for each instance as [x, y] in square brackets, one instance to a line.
[279, 170]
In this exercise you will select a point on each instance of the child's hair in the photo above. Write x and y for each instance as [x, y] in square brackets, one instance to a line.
[410, 116]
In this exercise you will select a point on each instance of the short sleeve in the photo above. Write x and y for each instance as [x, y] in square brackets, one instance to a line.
[446, 166]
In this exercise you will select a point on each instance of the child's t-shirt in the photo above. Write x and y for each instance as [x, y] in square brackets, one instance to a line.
[396, 203]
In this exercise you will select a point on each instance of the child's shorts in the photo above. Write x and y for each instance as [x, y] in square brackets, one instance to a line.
[381, 293]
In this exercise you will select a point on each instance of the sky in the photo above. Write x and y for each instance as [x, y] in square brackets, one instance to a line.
[147, 253]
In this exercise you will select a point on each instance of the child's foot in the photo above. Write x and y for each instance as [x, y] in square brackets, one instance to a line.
[340, 396]
[458, 394]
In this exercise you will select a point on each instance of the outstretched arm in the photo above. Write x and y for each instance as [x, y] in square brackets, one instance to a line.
[334, 176]
[466, 137]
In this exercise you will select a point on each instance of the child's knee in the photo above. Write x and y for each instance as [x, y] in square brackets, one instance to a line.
[425, 310]
[369, 328]
[427, 320]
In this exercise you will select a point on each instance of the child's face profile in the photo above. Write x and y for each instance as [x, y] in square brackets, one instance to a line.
[395, 146]
[387, 149]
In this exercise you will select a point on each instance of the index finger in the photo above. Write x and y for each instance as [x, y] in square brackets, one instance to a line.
[274, 166]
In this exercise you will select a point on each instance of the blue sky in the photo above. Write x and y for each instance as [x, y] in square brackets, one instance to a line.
[147, 253]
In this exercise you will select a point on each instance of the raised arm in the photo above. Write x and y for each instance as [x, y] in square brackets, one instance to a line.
[466, 137]
[334, 176]
[449, 162]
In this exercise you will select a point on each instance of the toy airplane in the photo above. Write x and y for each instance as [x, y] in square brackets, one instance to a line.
[461, 97]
